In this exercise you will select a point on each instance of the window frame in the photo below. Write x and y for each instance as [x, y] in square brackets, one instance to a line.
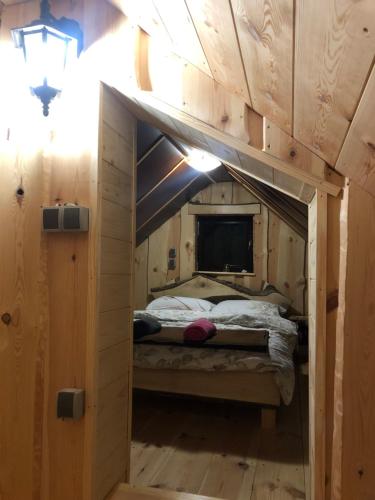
[223, 215]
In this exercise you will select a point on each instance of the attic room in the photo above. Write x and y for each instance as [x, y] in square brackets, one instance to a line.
[186, 249]
[181, 256]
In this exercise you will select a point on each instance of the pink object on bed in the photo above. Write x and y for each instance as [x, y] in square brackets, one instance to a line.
[199, 331]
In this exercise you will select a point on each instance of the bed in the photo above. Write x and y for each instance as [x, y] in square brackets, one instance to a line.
[259, 372]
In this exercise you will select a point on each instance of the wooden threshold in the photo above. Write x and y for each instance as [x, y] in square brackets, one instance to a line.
[127, 492]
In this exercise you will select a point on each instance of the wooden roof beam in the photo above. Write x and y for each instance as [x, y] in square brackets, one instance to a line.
[284, 176]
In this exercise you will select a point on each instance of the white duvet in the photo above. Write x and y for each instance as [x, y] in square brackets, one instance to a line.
[282, 335]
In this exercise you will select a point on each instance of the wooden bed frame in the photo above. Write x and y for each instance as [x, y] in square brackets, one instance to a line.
[259, 388]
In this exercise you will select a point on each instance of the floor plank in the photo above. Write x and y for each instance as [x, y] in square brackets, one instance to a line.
[218, 449]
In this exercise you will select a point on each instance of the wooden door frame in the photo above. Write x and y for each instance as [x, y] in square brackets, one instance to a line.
[317, 286]
[317, 299]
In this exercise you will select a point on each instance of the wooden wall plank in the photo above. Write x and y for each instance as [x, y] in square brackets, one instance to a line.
[354, 440]
[115, 149]
[112, 417]
[286, 261]
[24, 341]
[115, 186]
[116, 222]
[141, 272]
[115, 255]
[265, 32]
[333, 57]
[115, 295]
[214, 24]
[111, 329]
[241, 195]
[166, 237]
[260, 229]
[216, 194]
[357, 156]
[317, 341]
[187, 243]
[333, 270]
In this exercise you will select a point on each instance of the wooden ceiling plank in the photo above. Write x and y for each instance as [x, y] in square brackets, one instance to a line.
[265, 33]
[150, 150]
[185, 41]
[215, 27]
[190, 136]
[189, 89]
[155, 186]
[167, 203]
[334, 49]
[192, 98]
[170, 24]
[144, 14]
[281, 145]
[357, 156]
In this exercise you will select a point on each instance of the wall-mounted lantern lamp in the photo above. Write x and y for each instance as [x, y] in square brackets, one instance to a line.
[49, 45]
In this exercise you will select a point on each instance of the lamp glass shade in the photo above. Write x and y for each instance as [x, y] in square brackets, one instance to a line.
[201, 160]
[47, 53]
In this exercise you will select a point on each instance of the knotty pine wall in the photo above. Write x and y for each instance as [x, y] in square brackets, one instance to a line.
[65, 299]
[279, 252]
[353, 461]
[115, 288]
[45, 289]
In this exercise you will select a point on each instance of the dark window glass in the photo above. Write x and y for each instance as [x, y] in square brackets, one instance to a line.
[225, 243]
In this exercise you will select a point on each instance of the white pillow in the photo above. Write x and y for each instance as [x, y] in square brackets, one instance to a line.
[180, 303]
[246, 307]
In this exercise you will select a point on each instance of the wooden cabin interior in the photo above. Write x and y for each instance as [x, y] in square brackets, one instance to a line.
[170, 330]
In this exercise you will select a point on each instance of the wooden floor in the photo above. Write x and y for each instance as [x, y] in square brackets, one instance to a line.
[218, 449]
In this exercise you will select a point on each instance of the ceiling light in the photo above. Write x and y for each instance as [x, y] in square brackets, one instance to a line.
[49, 45]
[201, 160]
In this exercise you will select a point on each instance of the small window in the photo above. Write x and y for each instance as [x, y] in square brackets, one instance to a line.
[225, 243]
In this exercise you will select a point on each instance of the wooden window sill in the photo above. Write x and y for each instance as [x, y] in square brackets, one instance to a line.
[223, 273]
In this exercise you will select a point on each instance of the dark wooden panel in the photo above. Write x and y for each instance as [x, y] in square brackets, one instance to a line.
[164, 193]
[146, 138]
[220, 175]
[156, 166]
[172, 208]
[291, 211]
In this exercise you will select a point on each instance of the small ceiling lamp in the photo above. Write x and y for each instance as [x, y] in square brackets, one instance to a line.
[49, 46]
[201, 160]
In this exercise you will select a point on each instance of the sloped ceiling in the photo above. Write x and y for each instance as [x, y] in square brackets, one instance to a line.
[307, 66]
[165, 183]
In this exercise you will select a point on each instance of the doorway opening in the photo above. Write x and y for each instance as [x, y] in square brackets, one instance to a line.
[190, 432]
